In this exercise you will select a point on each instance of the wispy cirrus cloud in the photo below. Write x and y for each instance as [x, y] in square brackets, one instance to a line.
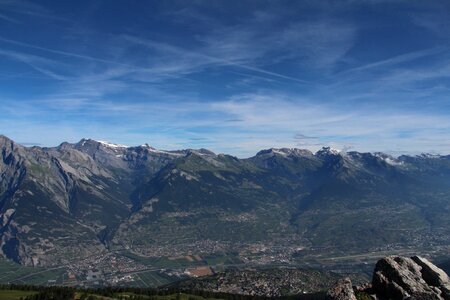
[395, 60]
[184, 61]
[22, 8]
[231, 77]
[38, 63]
[8, 19]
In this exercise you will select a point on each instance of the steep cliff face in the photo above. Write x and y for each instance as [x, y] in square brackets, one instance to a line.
[51, 200]
[12, 169]
[12, 174]
[65, 202]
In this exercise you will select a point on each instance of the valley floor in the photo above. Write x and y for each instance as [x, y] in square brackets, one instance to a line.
[128, 269]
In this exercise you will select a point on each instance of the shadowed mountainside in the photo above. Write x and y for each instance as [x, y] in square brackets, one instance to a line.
[67, 202]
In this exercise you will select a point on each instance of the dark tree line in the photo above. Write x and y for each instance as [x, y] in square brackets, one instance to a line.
[68, 293]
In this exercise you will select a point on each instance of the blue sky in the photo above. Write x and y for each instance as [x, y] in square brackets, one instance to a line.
[230, 76]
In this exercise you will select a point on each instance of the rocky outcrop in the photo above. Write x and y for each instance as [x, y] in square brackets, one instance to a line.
[397, 277]
[434, 276]
[401, 278]
[342, 290]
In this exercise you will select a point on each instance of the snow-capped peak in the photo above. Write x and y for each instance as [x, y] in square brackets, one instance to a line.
[154, 150]
[85, 142]
[285, 152]
[328, 150]
[282, 152]
[151, 149]
[429, 155]
[111, 145]
[388, 159]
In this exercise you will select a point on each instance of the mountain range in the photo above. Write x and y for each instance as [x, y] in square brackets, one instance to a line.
[65, 203]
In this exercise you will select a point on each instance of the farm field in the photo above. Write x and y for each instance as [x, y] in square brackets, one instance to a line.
[152, 279]
[14, 294]
[11, 272]
[176, 296]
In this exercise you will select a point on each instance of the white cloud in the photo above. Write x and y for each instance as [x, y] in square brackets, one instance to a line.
[264, 121]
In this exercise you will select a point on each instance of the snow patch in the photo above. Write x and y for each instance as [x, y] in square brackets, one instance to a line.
[334, 150]
[392, 162]
[429, 155]
[150, 149]
[388, 159]
[328, 150]
[278, 151]
[111, 145]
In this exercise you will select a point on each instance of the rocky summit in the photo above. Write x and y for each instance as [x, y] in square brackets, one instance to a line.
[397, 277]
[77, 200]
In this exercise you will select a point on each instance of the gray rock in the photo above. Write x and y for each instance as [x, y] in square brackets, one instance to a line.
[434, 276]
[341, 290]
[398, 277]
